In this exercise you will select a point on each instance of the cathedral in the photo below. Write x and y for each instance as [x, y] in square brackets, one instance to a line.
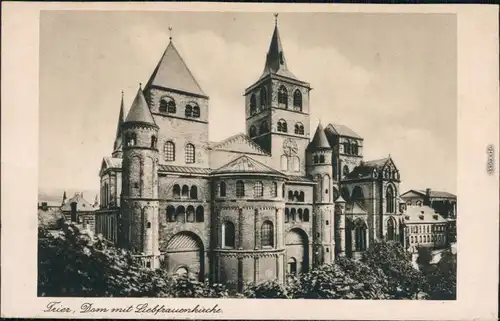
[279, 199]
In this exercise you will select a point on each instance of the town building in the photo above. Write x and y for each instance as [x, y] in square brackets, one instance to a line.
[425, 228]
[254, 206]
[442, 202]
[78, 210]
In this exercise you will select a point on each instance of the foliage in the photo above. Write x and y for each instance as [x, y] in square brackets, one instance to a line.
[74, 264]
[442, 278]
[266, 290]
[404, 281]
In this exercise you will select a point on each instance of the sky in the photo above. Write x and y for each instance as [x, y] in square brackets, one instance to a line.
[391, 78]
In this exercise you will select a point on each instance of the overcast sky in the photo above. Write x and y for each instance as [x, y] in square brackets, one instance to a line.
[389, 77]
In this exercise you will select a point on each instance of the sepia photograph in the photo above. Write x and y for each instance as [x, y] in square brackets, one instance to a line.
[247, 155]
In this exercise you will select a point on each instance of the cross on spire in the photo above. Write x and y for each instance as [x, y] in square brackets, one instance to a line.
[170, 33]
[276, 18]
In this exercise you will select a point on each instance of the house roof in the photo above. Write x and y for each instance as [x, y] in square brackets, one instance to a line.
[341, 130]
[367, 168]
[246, 165]
[319, 140]
[184, 169]
[82, 205]
[139, 112]
[171, 72]
[422, 214]
[433, 194]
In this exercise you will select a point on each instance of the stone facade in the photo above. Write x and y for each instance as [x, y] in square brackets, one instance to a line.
[253, 207]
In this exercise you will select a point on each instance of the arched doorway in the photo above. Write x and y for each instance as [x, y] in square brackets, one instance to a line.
[185, 253]
[297, 251]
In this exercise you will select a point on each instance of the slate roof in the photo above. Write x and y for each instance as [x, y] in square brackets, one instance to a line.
[319, 140]
[246, 165]
[184, 169]
[365, 169]
[82, 205]
[171, 72]
[439, 194]
[341, 130]
[422, 214]
[139, 112]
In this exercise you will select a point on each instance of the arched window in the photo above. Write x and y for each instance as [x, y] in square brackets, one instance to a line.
[240, 189]
[299, 213]
[176, 191]
[282, 127]
[193, 192]
[299, 129]
[389, 195]
[228, 234]
[274, 190]
[360, 234]
[267, 234]
[321, 159]
[170, 213]
[190, 213]
[345, 170]
[258, 189]
[347, 148]
[253, 104]
[196, 111]
[185, 191]
[287, 215]
[189, 154]
[153, 141]
[199, 214]
[284, 163]
[131, 139]
[293, 214]
[301, 196]
[180, 215]
[316, 159]
[391, 230]
[290, 196]
[354, 148]
[169, 151]
[297, 100]
[283, 97]
[296, 164]
[263, 127]
[188, 112]
[253, 131]
[306, 215]
[222, 190]
[296, 196]
[292, 266]
[167, 105]
[263, 98]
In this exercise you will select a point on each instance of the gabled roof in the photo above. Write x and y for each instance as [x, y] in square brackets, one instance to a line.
[354, 207]
[121, 118]
[275, 59]
[139, 112]
[341, 130]
[319, 140]
[368, 169]
[246, 165]
[171, 72]
[433, 194]
[110, 163]
[240, 143]
[422, 214]
[81, 204]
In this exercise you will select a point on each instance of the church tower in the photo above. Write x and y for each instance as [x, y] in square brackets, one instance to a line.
[277, 111]
[319, 165]
[139, 204]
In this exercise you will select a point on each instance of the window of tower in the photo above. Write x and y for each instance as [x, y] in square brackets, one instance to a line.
[240, 189]
[196, 111]
[263, 127]
[297, 100]
[180, 215]
[185, 191]
[287, 215]
[253, 131]
[190, 214]
[188, 112]
[345, 170]
[293, 215]
[282, 97]
[347, 148]
[149, 225]
[354, 148]
[153, 141]
[193, 192]
[316, 159]
[263, 98]
[389, 195]
[267, 234]
[290, 196]
[167, 105]
[274, 190]
[253, 105]
[258, 190]
[301, 196]
[169, 151]
[171, 213]
[222, 190]
[228, 234]
[306, 215]
[299, 129]
[199, 214]
[321, 159]
[189, 154]
[300, 214]
[176, 190]
[282, 127]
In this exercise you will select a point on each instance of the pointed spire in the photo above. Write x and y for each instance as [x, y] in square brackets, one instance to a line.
[139, 112]
[118, 138]
[171, 72]
[275, 59]
[64, 198]
[319, 140]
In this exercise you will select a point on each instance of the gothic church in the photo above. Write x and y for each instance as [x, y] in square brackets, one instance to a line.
[256, 206]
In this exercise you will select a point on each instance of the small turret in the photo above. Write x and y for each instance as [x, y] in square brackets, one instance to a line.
[340, 235]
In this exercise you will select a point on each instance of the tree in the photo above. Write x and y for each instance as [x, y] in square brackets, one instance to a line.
[404, 281]
[442, 278]
[74, 264]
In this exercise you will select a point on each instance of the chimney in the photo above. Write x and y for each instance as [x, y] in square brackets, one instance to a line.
[427, 198]
[74, 214]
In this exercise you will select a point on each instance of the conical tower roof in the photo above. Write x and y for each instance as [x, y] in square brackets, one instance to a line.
[319, 140]
[171, 72]
[275, 59]
[139, 112]
[118, 138]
